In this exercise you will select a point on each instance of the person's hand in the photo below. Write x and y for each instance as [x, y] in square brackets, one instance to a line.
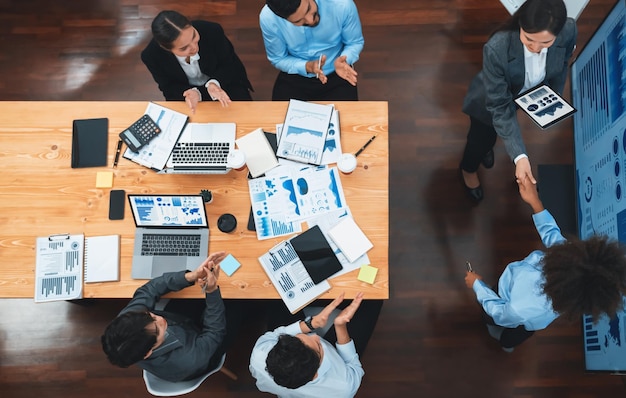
[315, 66]
[192, 97]
[470, 278]
[220, 95]
[346, 315]
[319, 321]
[208, 283]
[529, 194]
[200, 272]
[345, 71]
[523, 170]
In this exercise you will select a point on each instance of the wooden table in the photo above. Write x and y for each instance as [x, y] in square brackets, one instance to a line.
[41, 195]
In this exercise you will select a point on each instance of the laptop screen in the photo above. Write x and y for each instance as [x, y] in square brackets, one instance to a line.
[168, 210]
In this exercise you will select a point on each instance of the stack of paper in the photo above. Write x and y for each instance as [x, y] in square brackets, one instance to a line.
[350, 239]
[303, 135]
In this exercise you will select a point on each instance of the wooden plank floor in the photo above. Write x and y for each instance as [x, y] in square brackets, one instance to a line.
[419, 56]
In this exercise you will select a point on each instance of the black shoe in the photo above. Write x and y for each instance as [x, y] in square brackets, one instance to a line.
[489, 160]
[476, 194]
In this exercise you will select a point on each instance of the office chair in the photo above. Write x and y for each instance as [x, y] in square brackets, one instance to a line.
[163, 388]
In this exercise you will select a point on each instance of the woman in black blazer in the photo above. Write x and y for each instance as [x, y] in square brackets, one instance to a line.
[194, 61]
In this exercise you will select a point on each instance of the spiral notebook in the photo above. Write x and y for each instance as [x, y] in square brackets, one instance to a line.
[102, 258]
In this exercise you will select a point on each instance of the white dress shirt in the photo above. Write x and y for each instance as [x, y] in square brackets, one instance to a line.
[339, 374]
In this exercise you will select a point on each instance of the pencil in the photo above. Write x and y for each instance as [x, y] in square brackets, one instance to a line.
[365, 146]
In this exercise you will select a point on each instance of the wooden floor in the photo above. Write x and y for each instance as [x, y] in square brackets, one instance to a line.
[419, 56]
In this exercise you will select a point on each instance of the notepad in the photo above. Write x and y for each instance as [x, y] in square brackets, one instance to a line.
[229, 265]
[350, 239]
[102, 258]
[104, 179]
[90, 142]
[367, 274]
[260, 156]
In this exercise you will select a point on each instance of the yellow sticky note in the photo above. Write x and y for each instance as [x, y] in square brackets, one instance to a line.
[104, 179]
[367, 274]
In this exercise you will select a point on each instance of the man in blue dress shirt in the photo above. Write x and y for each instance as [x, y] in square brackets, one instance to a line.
[569, 278]
[293, 362]
[314, 45]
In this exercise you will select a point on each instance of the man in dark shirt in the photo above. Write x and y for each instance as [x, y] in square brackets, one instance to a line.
[169, 345]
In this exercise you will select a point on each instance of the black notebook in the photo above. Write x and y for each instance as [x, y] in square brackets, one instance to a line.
[316, 255]
[90, 138]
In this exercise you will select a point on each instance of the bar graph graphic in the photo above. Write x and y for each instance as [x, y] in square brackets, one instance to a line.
[59, 267]
[288, 275]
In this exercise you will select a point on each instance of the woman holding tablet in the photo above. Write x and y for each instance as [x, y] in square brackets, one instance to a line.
[533, 47]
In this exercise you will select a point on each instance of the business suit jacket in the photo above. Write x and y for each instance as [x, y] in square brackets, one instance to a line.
[217, 60]
[188, 351]
[490, 97]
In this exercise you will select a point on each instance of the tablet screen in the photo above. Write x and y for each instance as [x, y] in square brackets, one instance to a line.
[316, 254]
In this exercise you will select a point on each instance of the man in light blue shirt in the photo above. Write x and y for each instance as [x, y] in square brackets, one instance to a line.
[292, 361]
[569, 278]
[314, 45]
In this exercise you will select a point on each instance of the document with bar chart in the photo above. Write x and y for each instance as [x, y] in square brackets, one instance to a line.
[59, 268]
[290, 278]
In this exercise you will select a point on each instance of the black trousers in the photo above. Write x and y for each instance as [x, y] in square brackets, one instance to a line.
[293, 86]
[360, 328]
[511, 337]
[481, 138]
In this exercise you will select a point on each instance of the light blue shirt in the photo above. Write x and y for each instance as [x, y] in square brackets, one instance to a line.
[338, 33]
[339, 374]
[521, 300]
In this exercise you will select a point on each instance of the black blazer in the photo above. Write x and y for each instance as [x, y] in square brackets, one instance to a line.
[217, 60]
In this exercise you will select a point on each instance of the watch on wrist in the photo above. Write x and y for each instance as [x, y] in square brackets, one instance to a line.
[308, 321]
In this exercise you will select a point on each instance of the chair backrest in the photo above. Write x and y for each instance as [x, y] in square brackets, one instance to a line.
[163, 388]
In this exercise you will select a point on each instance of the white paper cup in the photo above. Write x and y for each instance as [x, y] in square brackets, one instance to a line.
[347, 163]
[236, 159]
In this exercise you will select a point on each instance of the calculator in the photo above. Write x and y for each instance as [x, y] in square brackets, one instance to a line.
[140, 133]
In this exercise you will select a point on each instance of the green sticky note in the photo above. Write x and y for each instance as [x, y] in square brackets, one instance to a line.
[367, 274]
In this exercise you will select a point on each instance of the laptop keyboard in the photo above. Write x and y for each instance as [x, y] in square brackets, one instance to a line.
[201, 153]
[170, 245]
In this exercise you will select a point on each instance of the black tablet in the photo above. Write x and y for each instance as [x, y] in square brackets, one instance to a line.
[316, 254]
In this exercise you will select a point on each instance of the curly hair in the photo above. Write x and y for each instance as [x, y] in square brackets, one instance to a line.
[585, 277]
[291, 363]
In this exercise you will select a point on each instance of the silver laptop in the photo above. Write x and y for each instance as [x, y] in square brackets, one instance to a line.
[202, 148]
[172, 234]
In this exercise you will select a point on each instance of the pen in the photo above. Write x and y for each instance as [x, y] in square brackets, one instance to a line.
[469, 266]
[319, 65]
[204, 286]
[117, 153]
[365, 146]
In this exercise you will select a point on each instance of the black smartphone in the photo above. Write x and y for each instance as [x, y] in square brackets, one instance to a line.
[117, 201]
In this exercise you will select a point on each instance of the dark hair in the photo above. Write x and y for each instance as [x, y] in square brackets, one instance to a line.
[536, 16]
[585, 277]
[291, 363]
[283, 8]
[126, 340]
[166, 27]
